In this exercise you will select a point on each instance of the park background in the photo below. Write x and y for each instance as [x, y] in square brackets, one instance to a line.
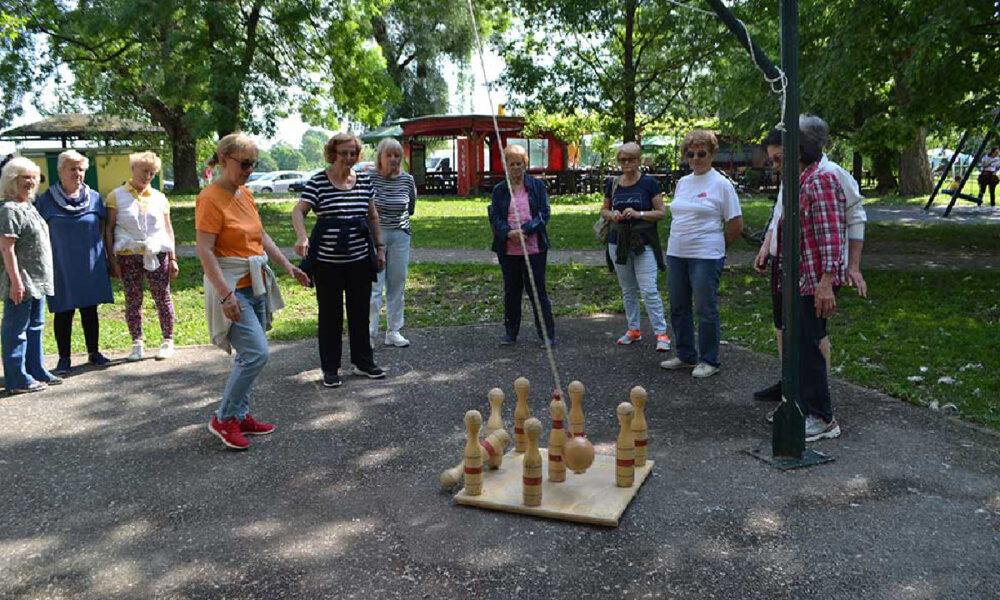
[893, 79]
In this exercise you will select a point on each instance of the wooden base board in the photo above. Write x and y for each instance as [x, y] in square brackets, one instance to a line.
[591, 497]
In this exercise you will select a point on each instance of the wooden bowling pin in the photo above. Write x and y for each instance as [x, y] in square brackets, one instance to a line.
[557, 439]
[493, 446]
[640, 431]
[495, 421]
[625, 447]
[473, 462]
[576, 391]
[521, 413]
[532, 469]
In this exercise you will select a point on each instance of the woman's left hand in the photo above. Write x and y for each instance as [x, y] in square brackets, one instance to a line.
[174, 269]
[380, 251]
[826, 301]
[299, 275]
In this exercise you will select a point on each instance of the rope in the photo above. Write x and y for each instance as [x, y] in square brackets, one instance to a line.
[524, 248]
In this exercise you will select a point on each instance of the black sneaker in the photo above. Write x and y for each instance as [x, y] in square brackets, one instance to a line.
[507, 341]
[98, 360]
[372, 373]
[768, 394]
[332, 380]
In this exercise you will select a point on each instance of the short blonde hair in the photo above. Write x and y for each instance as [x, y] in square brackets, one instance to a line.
[145, 158]
[629, 149]
[330, 150]
[229, 144]
[700, 137]
[72, 156]
[14, 168]
[384, 146]
[515, 150]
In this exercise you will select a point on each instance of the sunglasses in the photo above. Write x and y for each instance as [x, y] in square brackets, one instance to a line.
[347, 152]
[246, 164]
[699, 154]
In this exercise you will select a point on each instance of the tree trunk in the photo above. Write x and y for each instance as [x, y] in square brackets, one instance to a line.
[185, 152]
[628, 75]
[882, 162]
[914, 168]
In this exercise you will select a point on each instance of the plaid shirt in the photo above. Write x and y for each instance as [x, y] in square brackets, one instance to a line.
[822, 225]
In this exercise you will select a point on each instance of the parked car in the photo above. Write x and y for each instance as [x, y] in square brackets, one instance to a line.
[255, 175]
[168, 184]
[276, 181]
[300, 184]
[439, 163]
[364, 167]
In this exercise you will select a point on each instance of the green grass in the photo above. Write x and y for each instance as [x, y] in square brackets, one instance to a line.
[944, 322]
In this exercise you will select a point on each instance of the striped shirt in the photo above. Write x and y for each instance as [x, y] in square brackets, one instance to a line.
[329, 202]
[395, 200]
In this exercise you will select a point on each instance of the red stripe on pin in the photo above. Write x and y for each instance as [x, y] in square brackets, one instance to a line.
[555, 458]
[473, 470]
[518, 430]
[532, 480]
[581, 434]
[557, 424]
[625, 463]
[489, 448]
[640, 442]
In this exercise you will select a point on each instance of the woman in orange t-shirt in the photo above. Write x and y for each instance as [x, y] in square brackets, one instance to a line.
[234, 248]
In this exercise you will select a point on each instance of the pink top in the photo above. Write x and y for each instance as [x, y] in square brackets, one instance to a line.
[519, 208]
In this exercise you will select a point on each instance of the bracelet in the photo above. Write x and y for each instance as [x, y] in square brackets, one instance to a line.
[172, 259]
[223, 301]
[380, 245]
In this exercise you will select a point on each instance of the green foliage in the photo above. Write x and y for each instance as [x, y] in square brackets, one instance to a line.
[567, 127]
[628, 61]
[286, 157]
[311, 147]
[416, 35]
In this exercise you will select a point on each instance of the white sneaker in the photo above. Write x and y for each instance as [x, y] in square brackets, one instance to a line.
[166, 350]
[136, 351]
[675, 363]
[704, 370]
[394, 338]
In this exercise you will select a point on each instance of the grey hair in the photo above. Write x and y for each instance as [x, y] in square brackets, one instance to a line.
[72, 156]
[14, 168]
[814, 135]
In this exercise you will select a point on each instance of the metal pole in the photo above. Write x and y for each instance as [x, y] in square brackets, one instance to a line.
[947, 170]
[972, 165]
[788, 434]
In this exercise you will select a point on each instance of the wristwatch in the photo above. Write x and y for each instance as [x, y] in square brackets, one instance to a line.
[642, 213]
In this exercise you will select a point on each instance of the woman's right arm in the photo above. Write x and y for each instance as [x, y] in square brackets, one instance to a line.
[205, 245]
[10, 263]
[299, 224]
[109, 242]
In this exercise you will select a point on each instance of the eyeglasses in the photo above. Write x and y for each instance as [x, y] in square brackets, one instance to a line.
[347, 153]
[246, 165]
[699, 154]
[626, 159]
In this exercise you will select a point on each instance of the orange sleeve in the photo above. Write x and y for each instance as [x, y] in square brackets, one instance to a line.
[207, 216]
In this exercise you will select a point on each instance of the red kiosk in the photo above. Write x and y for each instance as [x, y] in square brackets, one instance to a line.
[473, 133]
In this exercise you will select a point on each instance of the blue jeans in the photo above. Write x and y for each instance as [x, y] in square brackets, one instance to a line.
[637, 277]
[21, 339]
[700, 277]
[393, 280]
[250, 342]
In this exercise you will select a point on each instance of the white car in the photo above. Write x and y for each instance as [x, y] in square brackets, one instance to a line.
[275, 181]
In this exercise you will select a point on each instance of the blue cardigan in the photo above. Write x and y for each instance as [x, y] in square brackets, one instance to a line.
[538, 203]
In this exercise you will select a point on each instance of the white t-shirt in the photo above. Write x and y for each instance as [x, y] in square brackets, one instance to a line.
[856, 215]
[701, 204]
[991, 163]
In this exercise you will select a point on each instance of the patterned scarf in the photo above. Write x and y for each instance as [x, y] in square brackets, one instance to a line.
[69, 204]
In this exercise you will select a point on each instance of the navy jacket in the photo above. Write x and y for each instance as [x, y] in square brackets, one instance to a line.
[538, 203]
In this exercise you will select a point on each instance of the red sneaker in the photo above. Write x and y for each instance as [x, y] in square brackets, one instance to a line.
[251, 426]
[229, 432]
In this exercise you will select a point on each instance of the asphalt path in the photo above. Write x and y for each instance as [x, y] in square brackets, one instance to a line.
[113, 487]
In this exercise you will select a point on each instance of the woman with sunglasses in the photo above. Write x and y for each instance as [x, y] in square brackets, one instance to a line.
[633, 202]
[343, 255]
[705, 219]
[241, 292]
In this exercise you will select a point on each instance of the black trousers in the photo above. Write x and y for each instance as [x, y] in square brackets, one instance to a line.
[62, 327]
[515, 283]
[814, 385]
[334, 283]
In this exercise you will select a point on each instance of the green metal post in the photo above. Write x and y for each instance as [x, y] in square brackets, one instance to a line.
[788, 434]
